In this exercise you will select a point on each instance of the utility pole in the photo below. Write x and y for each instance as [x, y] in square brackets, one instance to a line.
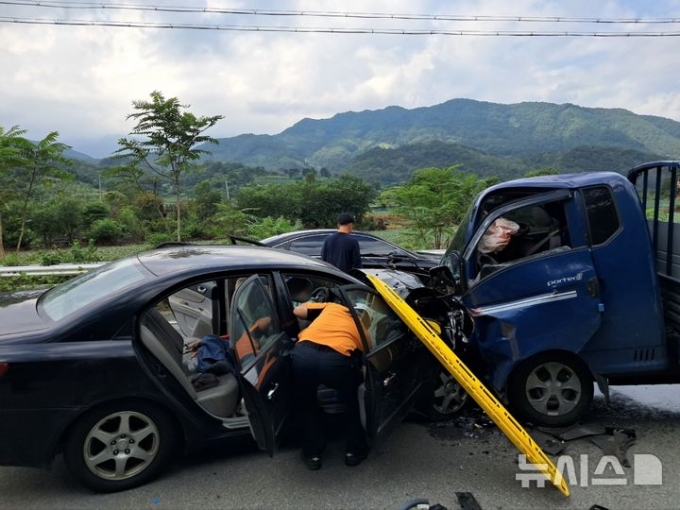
[226, 186]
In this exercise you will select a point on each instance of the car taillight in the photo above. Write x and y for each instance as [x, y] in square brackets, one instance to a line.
[4, 367]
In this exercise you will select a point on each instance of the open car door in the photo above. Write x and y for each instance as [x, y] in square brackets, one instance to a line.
[259, 344]
[395, 362]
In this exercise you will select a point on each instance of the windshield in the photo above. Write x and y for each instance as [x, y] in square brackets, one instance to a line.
[75, 294]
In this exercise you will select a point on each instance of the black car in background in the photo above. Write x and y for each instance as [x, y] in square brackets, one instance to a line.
[100, 369]
[375, 251]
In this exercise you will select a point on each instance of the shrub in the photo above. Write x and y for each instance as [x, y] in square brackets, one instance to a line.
[51, 258]
[106, 231]
[11, 259]
[89, 254]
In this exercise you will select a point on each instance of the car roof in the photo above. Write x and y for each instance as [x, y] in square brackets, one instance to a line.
[207, 258]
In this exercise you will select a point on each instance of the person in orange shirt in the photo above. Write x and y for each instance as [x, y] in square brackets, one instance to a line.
[328, 352]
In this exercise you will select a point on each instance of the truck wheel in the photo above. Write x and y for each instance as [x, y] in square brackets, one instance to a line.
[120, 446]
[551, 390]
[448, 398]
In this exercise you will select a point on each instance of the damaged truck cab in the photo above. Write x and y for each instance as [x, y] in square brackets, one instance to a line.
[574, 297]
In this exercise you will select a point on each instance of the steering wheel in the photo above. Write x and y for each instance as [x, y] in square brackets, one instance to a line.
[320, 295]
[486, 259]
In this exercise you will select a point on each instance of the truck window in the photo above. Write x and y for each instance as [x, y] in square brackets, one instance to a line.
[541, 228]
[603, 219]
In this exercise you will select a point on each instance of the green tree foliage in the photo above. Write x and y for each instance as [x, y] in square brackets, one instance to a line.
[105, 231]
[9, 157]
[204, 203]
[37, 164]
[228, 177]
[229, 220]
[165, 140]
[267, 227]
[435, 200]
[543, 171]
[57, 221]
[94, 211]
[315, 203]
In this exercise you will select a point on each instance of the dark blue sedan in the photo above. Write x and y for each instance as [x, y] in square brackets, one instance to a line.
[101, 368]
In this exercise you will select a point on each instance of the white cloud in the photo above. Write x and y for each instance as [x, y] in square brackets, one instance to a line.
[81, 81]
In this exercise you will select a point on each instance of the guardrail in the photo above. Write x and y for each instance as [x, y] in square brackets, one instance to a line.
[48, 270]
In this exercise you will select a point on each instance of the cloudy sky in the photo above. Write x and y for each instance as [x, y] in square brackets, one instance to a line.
[79, 76]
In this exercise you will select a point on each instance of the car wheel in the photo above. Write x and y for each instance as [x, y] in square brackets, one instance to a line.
[120, 446]
[448, 399]
[551, 390]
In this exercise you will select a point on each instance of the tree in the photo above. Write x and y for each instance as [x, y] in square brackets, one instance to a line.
[435, 200]
[37, 162]
[9, 156]
[205, 200]
[167, 147]
[314, 203]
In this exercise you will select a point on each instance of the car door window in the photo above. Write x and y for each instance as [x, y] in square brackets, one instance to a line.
[195, 308]
[309, 245]
[380, 324]
[376, 247]
[254, 323]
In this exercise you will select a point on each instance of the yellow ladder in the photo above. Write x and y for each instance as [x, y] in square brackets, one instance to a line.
[475, 388]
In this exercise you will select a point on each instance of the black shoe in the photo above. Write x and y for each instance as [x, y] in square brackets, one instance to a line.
[354, 459]
[313, 462]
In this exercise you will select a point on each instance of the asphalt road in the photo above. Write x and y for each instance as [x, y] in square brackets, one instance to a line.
[434, 462]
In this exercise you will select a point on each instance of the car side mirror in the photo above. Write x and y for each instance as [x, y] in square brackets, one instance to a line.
[443, 282]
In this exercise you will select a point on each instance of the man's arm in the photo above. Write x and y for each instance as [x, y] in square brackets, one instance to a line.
[357, 256]
[300, 311]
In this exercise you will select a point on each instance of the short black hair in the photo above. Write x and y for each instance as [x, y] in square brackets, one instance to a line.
[345, 219]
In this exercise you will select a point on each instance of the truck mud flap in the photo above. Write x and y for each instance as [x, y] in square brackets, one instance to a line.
[475, 388]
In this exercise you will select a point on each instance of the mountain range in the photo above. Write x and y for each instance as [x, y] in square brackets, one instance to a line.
[485, 138]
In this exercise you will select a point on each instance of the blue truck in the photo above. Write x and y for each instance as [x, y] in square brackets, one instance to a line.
[585, 291]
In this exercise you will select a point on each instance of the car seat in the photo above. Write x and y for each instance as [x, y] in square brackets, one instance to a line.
[167, 345]
[552, 238]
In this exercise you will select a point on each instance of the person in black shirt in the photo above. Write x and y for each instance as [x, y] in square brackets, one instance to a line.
[341, 249]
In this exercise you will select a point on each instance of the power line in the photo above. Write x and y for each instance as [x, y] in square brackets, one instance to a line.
[321, 30]
[334, 14]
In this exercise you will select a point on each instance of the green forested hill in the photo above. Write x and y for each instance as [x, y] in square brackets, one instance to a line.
[485, 136]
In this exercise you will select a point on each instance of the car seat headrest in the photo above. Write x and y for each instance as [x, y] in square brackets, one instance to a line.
[300, 289]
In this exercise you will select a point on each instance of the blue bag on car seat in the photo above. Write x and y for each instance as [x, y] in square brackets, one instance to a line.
[214, 356]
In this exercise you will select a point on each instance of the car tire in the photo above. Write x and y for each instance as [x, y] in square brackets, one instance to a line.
[448, 398]
[120, 445]
[552, 390]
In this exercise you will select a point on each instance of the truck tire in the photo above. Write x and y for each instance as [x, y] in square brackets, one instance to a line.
[552, 390]
[120, 445]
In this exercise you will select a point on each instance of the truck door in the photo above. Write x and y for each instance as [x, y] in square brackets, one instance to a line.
[259, 344]
[538, 293]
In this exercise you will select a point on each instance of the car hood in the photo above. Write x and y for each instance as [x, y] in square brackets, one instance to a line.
[19, 318]
[402, 282]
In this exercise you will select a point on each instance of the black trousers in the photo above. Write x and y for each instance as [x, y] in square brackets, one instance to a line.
[315, 364]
